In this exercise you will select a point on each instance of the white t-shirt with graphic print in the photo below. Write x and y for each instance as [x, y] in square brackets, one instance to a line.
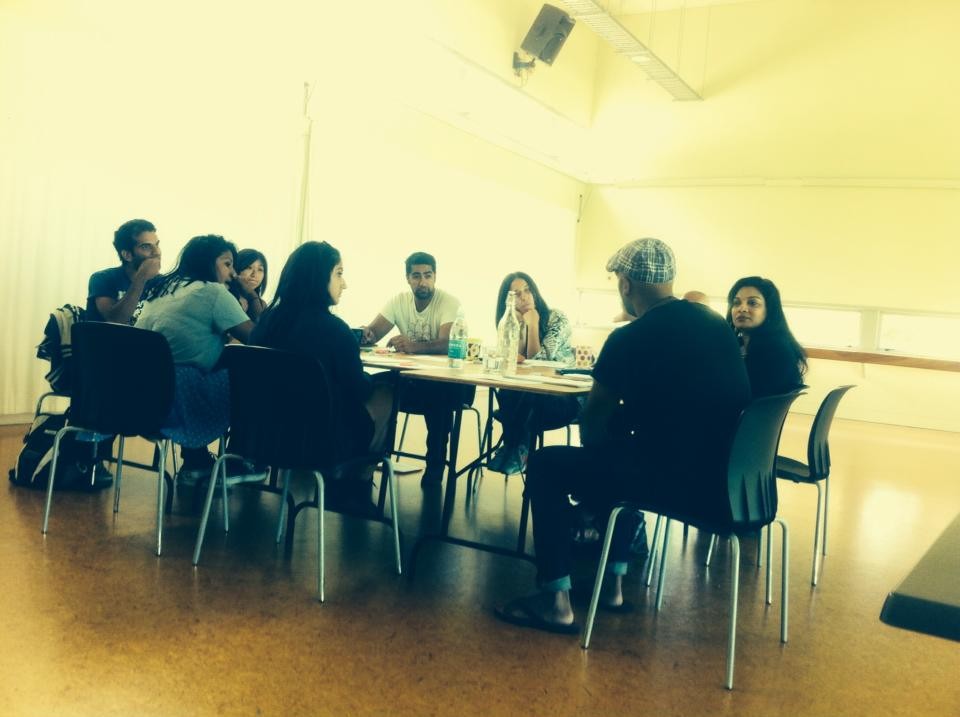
[401, 311]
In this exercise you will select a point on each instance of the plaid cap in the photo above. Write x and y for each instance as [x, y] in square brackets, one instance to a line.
[648, 261]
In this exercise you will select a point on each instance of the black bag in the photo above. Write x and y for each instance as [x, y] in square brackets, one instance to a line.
[79, 465]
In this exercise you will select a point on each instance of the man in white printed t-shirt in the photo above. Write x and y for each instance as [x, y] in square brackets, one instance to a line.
[424, 316]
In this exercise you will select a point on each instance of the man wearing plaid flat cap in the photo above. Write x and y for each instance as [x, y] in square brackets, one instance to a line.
[668, 388]
[647, 261]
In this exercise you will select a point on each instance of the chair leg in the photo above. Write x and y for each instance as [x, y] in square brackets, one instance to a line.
[320, 555]
[225, 493]
[713, 545]
[769, 564]
[652, 557]
[53, 472]
[476, 412]
[663, 564]
[816, 539]
[403, 432]
[285, 477]
[161, 469]
[760, 546]
[116, 483]
[826, 505]
[486, 440]
[598, 580]
[394, 510]
[784, 580]
[734, 594]
[207, 503]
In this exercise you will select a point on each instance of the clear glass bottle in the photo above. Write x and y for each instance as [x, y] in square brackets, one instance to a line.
[508, 337]
[457, 345]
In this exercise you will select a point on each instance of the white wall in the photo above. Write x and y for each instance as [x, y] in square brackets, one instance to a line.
[823, 156]
[190, 115]
[824, 153]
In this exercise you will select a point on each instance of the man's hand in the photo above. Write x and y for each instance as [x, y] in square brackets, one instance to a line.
[403, 344]
[148, 269]
[368, 337]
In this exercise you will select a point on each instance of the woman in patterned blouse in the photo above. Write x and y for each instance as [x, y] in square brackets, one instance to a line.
[544, 335]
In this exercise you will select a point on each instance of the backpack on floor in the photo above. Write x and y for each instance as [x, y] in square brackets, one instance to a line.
[79, 464]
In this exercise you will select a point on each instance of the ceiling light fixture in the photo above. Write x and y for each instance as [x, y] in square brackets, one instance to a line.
[594, 16]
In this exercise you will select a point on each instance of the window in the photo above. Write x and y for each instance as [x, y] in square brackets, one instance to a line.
[857, 328]
[918, 335]
[830, 328]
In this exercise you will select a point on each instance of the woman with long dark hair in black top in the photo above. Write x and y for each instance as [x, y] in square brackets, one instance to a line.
[299, 320]
[775, 361]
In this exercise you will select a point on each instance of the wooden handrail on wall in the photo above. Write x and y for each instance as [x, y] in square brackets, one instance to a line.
[882, 359]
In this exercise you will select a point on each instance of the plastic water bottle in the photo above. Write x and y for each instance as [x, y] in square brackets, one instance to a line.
[508, 337]
[457, 346]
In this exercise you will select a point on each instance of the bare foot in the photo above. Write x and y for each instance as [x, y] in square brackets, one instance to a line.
[611, 592]
[550, 611]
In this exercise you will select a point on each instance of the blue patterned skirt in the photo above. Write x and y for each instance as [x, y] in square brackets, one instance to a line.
[201, 407]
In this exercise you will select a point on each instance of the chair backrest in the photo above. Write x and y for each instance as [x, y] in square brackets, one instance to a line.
[281, 411]
[818, 448]
[123, 379]
[751, 467]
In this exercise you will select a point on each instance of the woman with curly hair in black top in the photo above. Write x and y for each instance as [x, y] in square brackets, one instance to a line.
[775, 362]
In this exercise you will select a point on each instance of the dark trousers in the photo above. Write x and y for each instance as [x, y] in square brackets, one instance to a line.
[523, 413]
[436, 402]
[596, 477]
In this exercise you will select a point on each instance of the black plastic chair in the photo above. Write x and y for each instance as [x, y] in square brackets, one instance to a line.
[817, 468]
[291, 427]
[752, 503]
[123, 386]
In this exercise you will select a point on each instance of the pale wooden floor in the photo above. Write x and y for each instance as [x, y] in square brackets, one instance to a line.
[93, 624]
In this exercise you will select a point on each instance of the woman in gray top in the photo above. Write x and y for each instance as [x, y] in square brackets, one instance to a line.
[192, 307]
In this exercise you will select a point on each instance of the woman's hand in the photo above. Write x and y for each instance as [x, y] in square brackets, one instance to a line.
[531, 318]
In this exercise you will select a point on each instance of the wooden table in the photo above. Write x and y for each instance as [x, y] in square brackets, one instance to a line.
[533, 379]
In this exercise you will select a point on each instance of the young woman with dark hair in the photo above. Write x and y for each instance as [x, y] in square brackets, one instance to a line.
[544, 335]
[544, 332]
[299, 320]
[193, 309]
[775, 361]
[251, 282]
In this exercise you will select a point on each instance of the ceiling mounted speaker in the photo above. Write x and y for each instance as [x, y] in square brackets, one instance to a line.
[548, 33]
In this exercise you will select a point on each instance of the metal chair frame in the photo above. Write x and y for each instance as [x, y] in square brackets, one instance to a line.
[318, 396]
[742, 469]
[816, 470]
[100, 404]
